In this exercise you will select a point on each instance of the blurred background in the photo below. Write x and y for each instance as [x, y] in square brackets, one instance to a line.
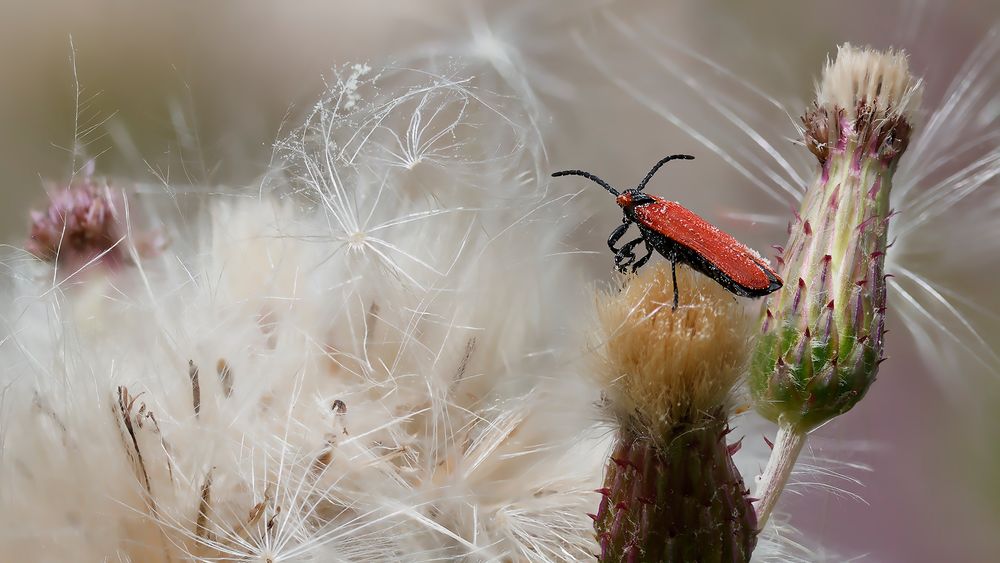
[194, 93]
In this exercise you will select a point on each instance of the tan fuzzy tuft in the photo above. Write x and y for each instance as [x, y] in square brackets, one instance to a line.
[864, 76]
[664, 367]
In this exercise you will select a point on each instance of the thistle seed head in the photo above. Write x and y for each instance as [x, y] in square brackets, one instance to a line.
[671, 491]
[662, 366]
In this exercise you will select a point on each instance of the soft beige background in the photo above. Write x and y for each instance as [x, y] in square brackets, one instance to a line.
[200, 88]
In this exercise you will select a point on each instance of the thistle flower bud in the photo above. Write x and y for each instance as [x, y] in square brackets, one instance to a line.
[821, 340]
[671, 491]
[80, 225]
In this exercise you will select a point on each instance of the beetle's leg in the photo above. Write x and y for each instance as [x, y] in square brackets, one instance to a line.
[625, 256]
[617, 234]
[673, 273]
[649, 252]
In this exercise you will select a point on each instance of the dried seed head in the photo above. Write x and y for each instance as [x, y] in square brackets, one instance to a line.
[663, 367]
[671, 490]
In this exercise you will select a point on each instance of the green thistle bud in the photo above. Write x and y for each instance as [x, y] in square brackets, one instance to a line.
[822, 334]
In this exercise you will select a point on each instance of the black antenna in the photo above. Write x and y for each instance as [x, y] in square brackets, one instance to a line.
[588, 176]
[658, 165]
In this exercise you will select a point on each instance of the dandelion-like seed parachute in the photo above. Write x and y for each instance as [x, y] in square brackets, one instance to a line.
[347, 366]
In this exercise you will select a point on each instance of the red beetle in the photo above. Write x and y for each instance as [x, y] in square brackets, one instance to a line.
[681, 236]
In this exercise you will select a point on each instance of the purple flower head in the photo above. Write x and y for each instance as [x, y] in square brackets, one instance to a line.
[80, 226]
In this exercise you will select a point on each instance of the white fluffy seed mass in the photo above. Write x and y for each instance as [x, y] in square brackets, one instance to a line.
[879, 78]
[368, 359]
[663, 366]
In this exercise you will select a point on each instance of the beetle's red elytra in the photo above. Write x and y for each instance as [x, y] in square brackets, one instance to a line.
[682, 236]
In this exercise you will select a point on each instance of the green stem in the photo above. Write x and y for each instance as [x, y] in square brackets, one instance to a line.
[787, 446]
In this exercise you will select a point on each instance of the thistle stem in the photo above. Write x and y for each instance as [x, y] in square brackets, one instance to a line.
[787, 446]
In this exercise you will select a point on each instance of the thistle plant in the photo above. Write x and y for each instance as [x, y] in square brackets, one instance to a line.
[671, 491]
[821, 338]
[942, 206]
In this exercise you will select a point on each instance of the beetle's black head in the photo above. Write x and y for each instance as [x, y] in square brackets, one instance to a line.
[630, 198]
